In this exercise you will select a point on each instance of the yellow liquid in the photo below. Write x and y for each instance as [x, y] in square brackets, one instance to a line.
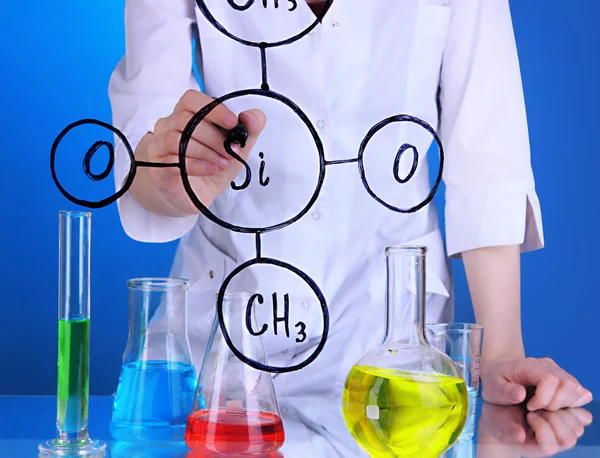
[395, 413]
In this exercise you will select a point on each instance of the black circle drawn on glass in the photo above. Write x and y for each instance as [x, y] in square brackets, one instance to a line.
[263, 45]
[403, 149]
[197, 119]
[87, 163]
[255, 364]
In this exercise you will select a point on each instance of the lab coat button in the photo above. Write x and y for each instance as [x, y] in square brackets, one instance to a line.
[316, 216]
[335, 24]
[320, 124]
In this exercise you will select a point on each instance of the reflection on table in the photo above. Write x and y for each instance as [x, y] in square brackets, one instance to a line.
[507, 432]
[314, 427]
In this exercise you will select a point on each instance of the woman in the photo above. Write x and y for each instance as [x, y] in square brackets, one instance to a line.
[365, 62]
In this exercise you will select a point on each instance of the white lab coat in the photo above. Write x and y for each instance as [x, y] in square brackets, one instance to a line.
[367, 61]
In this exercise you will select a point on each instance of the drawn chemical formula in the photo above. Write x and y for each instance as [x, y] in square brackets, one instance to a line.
[239, 136]
[292, 4]
[285, 319]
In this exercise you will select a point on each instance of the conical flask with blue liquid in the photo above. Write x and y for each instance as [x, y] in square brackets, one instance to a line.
[157, 383]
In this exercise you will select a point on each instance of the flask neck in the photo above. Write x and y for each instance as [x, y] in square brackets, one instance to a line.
[157, 304]
[405, 295]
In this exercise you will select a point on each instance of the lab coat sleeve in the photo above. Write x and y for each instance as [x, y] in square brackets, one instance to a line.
[147, 83]
[490, 190]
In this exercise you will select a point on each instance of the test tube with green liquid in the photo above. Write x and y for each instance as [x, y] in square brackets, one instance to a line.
[73, 341]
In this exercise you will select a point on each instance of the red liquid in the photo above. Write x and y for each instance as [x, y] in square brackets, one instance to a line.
[221, 431]
[192, 454]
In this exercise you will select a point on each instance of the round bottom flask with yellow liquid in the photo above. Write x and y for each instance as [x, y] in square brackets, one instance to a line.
[405, 398]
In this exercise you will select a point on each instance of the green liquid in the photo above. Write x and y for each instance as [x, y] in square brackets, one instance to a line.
[73, 374]
[393, 413]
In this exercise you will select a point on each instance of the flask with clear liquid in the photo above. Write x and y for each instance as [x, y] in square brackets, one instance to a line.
[157, 383]
[405, 398]
[235, 410]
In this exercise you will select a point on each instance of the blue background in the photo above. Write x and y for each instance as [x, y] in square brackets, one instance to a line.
[56, 61]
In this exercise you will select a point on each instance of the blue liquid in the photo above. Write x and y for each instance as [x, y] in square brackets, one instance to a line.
[149, 450]
[153, 401]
